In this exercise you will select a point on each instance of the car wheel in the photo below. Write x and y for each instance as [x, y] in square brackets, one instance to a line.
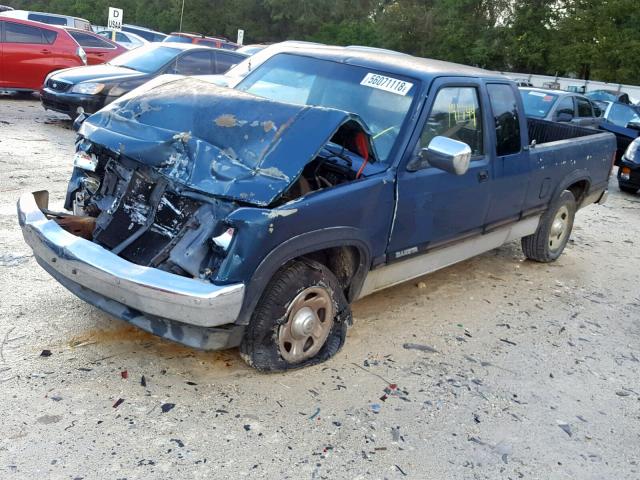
[627, 188]
[300, 320]
[553, 232]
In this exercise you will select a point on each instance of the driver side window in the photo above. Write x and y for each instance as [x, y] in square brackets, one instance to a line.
[455, 114]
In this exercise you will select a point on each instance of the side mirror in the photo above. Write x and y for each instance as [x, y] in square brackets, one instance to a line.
[564, 117]
[444, 153]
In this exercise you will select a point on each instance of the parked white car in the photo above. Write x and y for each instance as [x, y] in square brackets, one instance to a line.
[127, 39]
[50, 18]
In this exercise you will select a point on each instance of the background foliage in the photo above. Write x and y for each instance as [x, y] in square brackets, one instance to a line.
[597, 39]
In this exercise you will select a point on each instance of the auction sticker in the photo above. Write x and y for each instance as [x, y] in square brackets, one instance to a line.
[388, 84]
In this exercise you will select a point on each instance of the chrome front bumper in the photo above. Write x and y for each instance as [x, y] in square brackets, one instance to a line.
[147, 290]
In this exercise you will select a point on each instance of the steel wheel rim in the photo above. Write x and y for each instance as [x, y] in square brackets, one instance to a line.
[559, 228]
[309, 321]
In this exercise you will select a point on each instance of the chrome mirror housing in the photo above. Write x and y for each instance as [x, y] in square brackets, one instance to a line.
[446, 154]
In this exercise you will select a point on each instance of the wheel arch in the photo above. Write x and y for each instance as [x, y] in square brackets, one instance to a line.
[344, 250]
[577, 182]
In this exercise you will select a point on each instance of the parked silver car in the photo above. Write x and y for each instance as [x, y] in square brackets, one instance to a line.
[559, 106]
[127, 39]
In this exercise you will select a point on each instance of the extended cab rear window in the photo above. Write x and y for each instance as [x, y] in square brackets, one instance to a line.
[505, 112]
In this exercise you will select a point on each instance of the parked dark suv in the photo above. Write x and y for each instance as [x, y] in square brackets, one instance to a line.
[559, 106]
[623, 120]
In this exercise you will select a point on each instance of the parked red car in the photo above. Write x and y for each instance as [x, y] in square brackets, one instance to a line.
[29, 51]
[98, 49]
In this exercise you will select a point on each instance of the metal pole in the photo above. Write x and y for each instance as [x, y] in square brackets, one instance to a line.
[181, 13]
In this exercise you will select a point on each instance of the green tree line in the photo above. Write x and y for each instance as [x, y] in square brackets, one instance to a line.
[593, 39]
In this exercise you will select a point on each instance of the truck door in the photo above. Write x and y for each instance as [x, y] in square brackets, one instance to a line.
[509, 146]
[435, 207]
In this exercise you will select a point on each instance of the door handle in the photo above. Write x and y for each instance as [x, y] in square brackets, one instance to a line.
[483, 175]
[45, 51]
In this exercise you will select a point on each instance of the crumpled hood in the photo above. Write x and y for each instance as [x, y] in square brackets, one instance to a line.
[216, 140]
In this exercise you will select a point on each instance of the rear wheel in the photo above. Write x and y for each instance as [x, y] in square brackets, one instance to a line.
[553, 232]
[300, 320]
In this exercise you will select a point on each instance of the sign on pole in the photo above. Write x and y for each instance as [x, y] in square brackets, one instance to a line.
[114, 22]
[240, 36]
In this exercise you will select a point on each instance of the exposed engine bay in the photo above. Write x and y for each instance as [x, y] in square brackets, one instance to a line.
[148, 219]
[158, 175]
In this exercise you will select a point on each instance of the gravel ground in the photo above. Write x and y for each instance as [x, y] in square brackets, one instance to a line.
[495, 368]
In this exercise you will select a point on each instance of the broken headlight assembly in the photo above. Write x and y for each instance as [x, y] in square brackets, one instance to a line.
[224, 240]
[141, 216]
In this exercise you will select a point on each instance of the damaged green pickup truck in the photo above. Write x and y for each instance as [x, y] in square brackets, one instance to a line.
[254, 216]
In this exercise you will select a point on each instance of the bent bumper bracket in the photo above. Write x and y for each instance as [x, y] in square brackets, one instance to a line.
[147, 290]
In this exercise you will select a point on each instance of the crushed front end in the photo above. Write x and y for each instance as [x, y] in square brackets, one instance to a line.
[181, 308]
[156, 178]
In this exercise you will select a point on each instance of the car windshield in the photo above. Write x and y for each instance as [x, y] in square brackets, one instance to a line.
[537, 104]
[381, 100]
[146, 59]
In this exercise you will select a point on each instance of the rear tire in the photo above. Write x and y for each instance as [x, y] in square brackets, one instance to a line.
[553, 232]
[300, 320]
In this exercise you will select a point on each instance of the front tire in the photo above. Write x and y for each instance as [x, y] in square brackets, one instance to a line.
[627, 188]
[300, 320]
[553, 232]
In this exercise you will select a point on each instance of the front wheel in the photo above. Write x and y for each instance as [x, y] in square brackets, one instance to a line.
[553, 232]
[627, 188]
[300, 320]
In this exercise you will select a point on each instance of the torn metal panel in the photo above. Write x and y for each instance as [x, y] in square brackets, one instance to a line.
[218, 141]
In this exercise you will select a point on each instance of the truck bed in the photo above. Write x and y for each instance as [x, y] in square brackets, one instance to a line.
[561, 151]
[543, 131]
